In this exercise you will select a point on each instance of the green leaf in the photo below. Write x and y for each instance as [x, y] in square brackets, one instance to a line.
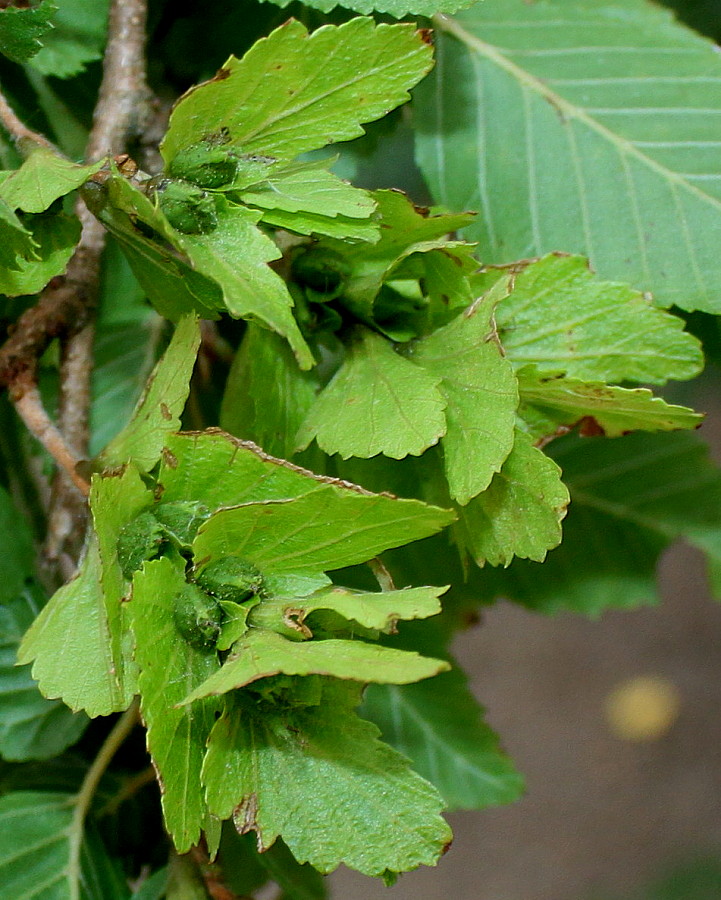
[54, 238]
[266, 395]
[399, 9]
[263, 653]
[330, 528]
[32, 727]
[78, 38]
[320, 779]
[42, 179]
[631, 497]
[153, 888]
[481, 394]
[158, 411]
[377, 402]
[21, 30]
[588, 114]
[17, 554]
[36, 831]
[70, 642]
[115, 500]
[339, 227]
[169, 669]
[521, 511]
[377, 610]
[437, 724]
[550, 403]
[297, 882]
[15, 239]
[293, 92]
[235, 255]
[561, 318]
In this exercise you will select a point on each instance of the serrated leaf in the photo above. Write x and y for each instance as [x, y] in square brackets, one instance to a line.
[158, 411]
[551, 402]
[321, 780]
[293, 92]
[78, 38]
[379, 610]
[521, 511]
[330, 528]
[631, 497]
[36, 830]
[377, 402]
[42, 179]
[338, 227]
[309, 187]
[438, 725]
[589, 113]
[32, 727]
[235, 255]
[266, 395]
[54, 238]
[169, 669]
[70, 643]
[481, 393]
[399, 9]
[262, 653]
[22, 29]
[561, 318]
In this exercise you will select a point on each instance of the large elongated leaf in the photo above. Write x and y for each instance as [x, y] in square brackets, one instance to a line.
[262, 653]
[36, 831]
[554, 119]
[169, 669]
[327, 529]
[293, 92]
[320, 778]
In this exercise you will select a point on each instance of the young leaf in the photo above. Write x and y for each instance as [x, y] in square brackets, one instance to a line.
[377, 402]
[330, 528]
[235, 255]
[551, 402]
[53, 237]
[437, 724]
[521, 511]
[561, 318]
[32, 727]
[158, 411]
[22, 29]
[378, 610]
[36, 830]
[15, 239]
[293, 92]
[481, 393]
[70, 642]
[578, 119]
[262, 653]
[169, 669]
[320, 779]
[42, 179]
[266, 395]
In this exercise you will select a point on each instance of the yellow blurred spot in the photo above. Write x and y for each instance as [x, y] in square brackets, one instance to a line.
[642, 708]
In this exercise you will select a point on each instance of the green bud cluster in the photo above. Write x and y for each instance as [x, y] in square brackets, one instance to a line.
[198, 617]
[186, 206]
[207, 164]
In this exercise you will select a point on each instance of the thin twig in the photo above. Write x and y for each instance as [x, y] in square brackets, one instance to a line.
[25, 138]
[112, 744]
[31, 410]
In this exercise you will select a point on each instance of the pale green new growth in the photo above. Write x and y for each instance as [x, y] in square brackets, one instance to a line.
[43, 178]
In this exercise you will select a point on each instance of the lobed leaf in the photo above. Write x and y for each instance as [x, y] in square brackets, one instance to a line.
[293, 92]
[320, 779]
[554, 119]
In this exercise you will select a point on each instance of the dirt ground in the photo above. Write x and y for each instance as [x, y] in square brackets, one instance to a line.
[602, 816]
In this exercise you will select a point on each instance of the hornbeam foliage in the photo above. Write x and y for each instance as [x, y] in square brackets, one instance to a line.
[326, 427]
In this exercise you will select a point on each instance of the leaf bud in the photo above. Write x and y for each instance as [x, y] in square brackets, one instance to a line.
[139, 541]
[320, 269]
[181, 520]
[231, 578]
[198, 617]
[187, 207]
[206, 164]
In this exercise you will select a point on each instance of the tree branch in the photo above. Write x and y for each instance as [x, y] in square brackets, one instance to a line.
[25, 138]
